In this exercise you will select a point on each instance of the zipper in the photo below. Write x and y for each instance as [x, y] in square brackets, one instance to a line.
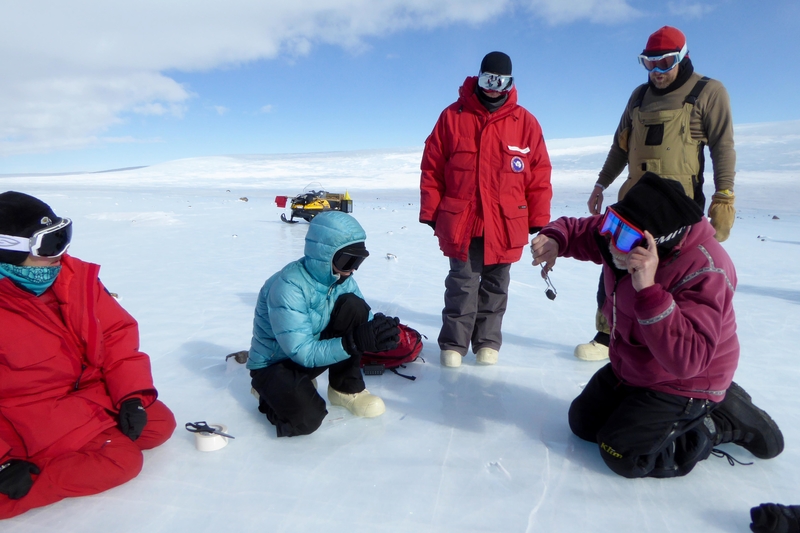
[78, 381]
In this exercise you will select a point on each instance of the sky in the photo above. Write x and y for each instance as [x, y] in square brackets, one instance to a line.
[474, 449]
[91, 85]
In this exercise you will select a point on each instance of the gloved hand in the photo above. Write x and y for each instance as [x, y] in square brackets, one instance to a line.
[430, 223]
[722, 213]
[378, 335]
[132, 418]
[15, 478]
[775, 518]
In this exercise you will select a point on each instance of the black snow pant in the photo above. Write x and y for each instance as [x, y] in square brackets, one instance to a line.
[641, 432]
[475, 300]
[288, 396]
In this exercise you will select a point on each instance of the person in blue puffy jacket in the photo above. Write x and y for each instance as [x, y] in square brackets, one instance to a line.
[311, 317]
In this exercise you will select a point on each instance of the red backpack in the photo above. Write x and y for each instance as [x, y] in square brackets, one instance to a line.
[407, 351]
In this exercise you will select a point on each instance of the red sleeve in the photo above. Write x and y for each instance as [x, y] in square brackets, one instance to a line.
[126, 370]
[432, 183]
[538, 190]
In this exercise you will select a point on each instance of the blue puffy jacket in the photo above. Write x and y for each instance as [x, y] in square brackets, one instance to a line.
[295, 304]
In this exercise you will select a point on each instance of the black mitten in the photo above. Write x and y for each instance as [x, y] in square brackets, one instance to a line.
[132, 418]
[378, 335]
[15, 478]
[775, 518]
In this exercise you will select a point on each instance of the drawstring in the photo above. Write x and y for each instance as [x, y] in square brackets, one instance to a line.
[716, 452]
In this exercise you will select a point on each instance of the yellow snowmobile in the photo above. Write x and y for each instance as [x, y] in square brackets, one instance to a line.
[309, 204]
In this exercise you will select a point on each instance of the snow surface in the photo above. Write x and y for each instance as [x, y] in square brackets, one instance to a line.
[468, 449]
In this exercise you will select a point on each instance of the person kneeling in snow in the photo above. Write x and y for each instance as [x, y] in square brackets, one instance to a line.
[311, 317]
[667, 398]
[77, 401]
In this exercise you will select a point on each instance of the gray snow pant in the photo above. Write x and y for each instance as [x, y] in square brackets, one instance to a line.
[475, 299]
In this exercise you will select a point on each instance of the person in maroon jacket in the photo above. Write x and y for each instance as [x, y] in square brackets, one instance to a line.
[485, 185]
[77, 401]
[666, 398]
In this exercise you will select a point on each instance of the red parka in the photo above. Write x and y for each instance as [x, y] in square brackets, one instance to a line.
[68, 359]
[485, 174]
[677, 336]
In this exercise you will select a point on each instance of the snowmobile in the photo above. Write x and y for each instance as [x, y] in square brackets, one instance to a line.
[309, 204]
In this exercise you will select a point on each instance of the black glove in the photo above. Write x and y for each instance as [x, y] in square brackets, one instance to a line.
[775, 518]
[378, 335]
[534, 229]
[132, 418]
[430, 223]
[15, 478]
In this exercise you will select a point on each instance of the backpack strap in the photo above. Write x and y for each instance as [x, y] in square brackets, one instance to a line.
[691, 98]
[640, 95]
[412, 378]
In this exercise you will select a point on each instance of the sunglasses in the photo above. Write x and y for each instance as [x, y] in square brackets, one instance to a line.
[346, 262]
[624, 235]
[51, 241]
[495, 82]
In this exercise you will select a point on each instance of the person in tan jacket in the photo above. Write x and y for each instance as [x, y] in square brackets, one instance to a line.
[664, 129]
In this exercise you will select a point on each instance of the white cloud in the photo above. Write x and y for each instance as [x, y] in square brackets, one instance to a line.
[566, 11]
[266, 109]
[689, 9]
[220, 109]
[73, 69]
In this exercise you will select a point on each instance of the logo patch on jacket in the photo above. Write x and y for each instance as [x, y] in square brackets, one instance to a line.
[517, 164]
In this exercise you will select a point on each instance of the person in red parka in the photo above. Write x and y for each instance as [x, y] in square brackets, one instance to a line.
[77, 401]
[667, 397]
[485, 186]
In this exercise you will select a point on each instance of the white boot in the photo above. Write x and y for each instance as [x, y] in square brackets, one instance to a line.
[486, 356]
[591, 351]
[451, 358]
[360, 404]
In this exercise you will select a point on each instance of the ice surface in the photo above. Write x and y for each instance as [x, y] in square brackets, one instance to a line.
[469, 449]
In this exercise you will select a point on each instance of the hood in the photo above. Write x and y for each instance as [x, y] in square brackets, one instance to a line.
[468, 98]
[327, 233]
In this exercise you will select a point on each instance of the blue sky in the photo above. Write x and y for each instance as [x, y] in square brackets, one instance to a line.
[89, 85]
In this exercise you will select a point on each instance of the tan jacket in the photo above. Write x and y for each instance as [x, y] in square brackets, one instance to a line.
[711, 125]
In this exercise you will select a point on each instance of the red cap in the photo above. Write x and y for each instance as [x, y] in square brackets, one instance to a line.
[666, 39]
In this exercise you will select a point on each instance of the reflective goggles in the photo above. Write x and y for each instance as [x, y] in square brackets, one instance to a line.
[495, 82]
[624, 235]
[346, 262]
[51, 241]
[663, 63]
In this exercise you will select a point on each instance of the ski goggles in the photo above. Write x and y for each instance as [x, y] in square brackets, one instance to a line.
[51, 241]
[346, 261]
[663, 63]
[624, 235]
[495, 82]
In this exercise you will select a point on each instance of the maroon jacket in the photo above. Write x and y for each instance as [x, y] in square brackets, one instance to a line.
[485, 174]
[68, 359]
[678, 336]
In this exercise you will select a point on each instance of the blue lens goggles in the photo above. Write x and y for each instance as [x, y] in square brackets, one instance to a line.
[624, 235]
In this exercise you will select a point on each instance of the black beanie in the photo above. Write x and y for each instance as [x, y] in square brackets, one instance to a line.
[661, 207]
[21, 215]
[496, 63]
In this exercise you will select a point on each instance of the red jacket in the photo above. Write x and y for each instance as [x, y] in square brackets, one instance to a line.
[485, 174]
[677, 336]
[68, 359]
